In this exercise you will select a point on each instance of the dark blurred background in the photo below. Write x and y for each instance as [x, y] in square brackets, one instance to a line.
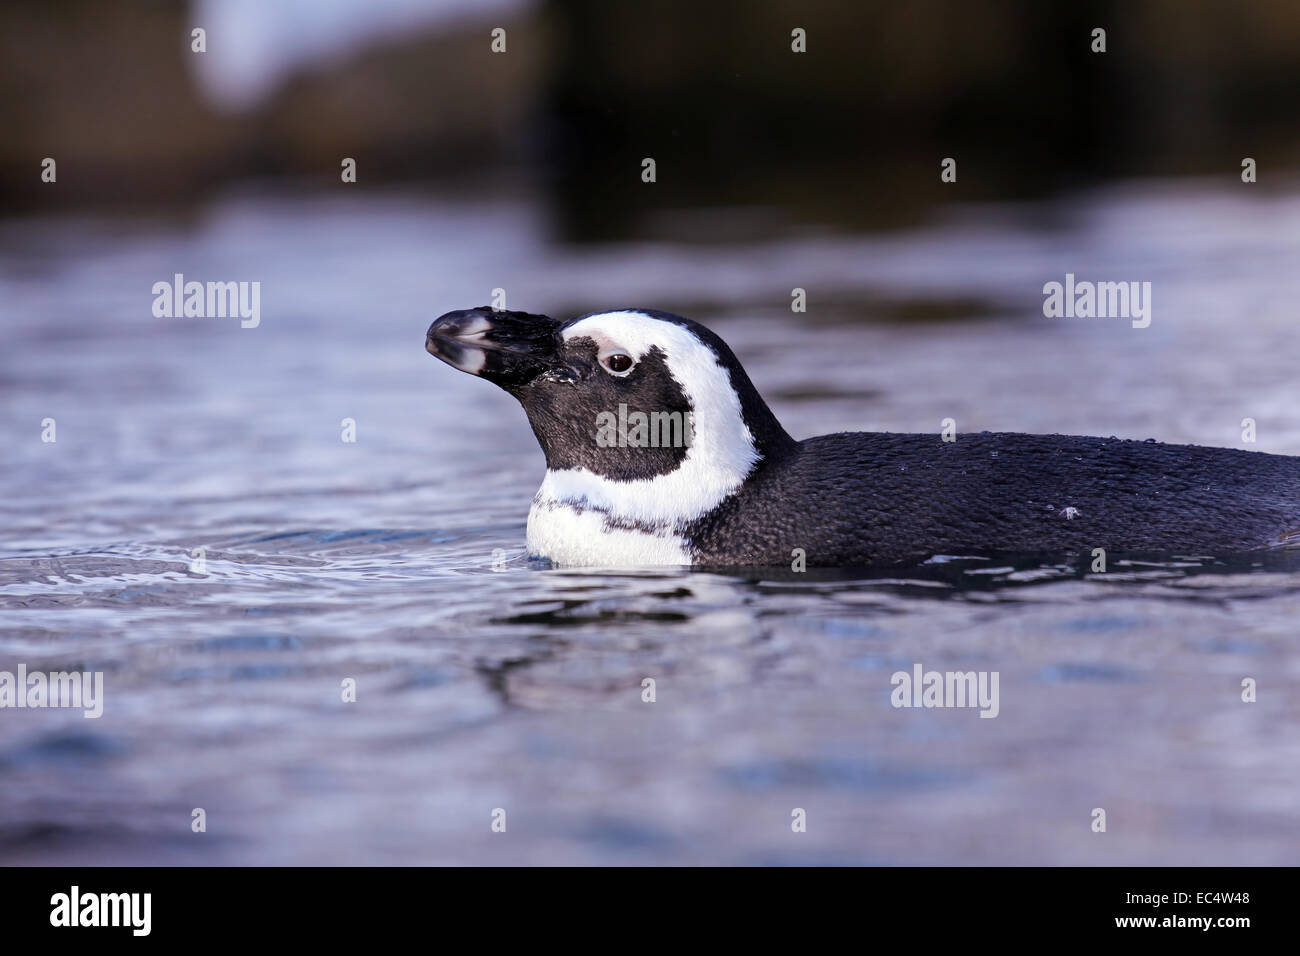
[586, 90]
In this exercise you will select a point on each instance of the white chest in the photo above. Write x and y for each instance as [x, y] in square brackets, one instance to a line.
[571, 537]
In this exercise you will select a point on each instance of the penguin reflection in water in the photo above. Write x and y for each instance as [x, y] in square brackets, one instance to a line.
[738, 490]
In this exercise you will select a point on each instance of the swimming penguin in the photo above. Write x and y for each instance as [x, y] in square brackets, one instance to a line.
[659, 451]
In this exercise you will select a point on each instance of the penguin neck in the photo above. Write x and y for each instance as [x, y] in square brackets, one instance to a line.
[725, 454]
[771, 441]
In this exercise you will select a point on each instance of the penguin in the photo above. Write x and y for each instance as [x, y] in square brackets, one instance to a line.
[660, 451]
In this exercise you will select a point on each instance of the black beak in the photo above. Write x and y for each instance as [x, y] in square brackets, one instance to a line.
[509, 349]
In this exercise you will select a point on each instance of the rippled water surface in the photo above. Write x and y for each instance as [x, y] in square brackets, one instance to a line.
[486, 680]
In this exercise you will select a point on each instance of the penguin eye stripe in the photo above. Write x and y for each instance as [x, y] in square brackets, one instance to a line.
[620, 363]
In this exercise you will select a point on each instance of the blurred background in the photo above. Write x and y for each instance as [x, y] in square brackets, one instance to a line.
[204, 533]
[585, 90]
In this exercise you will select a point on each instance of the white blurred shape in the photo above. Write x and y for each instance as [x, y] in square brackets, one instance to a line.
[253, 45]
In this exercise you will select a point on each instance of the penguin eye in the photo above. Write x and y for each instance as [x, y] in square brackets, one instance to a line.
[620, 363]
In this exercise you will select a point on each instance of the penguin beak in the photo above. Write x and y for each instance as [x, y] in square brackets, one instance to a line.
[509, 349]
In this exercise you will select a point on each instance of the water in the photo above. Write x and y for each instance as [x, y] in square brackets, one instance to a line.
[488, 681]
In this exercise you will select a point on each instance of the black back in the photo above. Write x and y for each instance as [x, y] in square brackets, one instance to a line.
[873, 498]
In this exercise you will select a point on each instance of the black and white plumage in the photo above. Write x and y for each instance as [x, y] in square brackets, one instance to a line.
[743, 492]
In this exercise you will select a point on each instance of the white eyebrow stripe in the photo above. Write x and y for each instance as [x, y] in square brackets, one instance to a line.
[632, 332]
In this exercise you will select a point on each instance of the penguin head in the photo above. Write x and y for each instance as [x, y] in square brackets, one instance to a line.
[623, 397]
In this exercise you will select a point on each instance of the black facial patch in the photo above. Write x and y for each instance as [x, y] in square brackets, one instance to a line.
[595, 422]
